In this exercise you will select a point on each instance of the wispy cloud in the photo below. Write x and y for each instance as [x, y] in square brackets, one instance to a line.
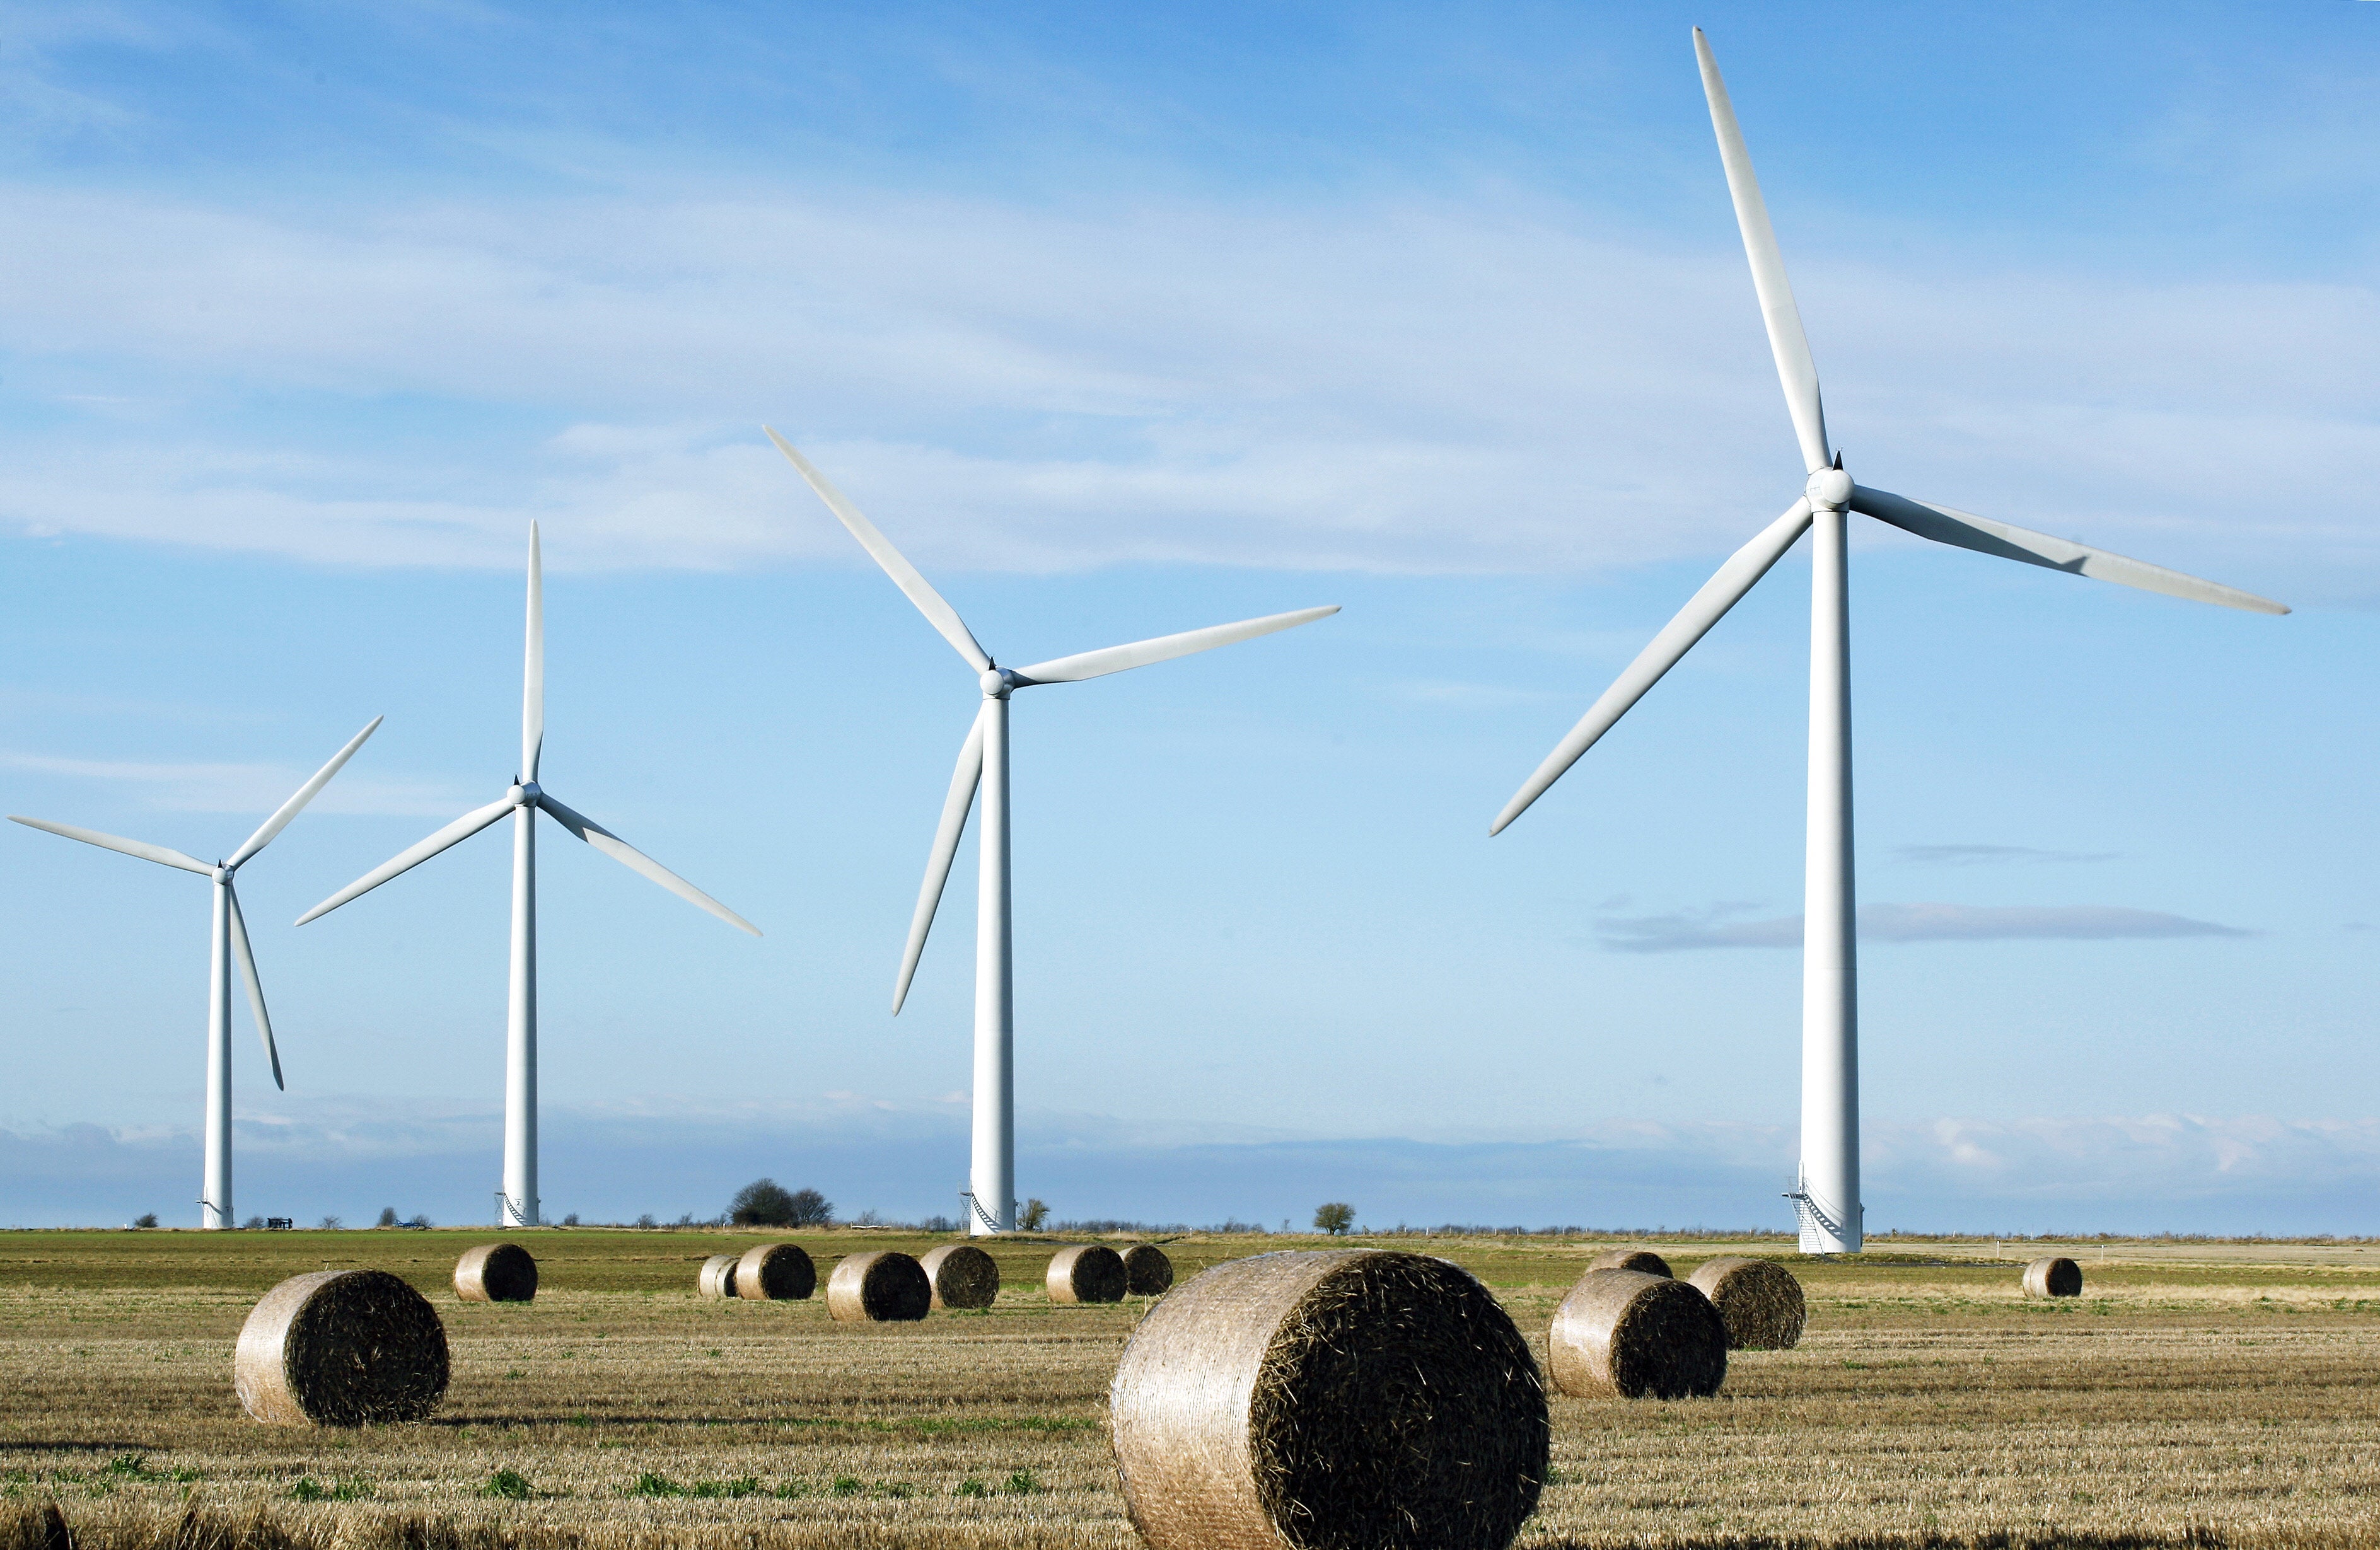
[252, 788]
[1984, 856]
[1324, 385]
[1688, 930]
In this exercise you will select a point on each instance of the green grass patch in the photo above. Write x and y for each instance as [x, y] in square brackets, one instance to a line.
[507, 1484]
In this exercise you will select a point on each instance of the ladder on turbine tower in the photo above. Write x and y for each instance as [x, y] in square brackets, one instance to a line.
[1810, 1219]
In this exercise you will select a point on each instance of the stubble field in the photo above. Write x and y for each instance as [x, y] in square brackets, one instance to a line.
[2196, 1394]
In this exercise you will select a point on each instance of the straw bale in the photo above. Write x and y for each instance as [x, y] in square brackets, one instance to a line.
[1627, 1333]
[1087, 1273]
[1355, 1398]
[879, 1288]
[2053, 1277]
[962, 1275]
[341, 1348]
[1642, 1261]
[1758, 1300]
[717, 1276]
[775, 1272]
[495, 1273]
[1148, 1272]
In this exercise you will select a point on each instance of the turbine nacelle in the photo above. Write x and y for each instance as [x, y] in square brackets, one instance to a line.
[999, 683]
[1829, 490]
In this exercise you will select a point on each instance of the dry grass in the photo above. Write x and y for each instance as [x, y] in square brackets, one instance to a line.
[2201, 1394]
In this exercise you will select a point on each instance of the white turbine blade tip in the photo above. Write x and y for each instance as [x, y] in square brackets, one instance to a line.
[906, 576]
[1142, 653]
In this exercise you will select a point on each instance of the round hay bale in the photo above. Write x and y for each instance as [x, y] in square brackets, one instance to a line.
[1626, 1333]
[1643, 1262]
[879, 1288]
[775, 1272]
[341, 1348]
[1758, 1300]
[1087, 1273]
[1147, 1271]
[1355, 1398]
[2053, 1277]
[717, 1277]
[962, 1275]
[495, 1273]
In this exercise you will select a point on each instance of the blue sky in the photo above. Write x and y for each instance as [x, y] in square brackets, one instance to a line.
[1127, 321]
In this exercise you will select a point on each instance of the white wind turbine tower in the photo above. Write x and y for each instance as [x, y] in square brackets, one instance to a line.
[229, 938]
[1828, 1200]
[983, 760]
[523, 802]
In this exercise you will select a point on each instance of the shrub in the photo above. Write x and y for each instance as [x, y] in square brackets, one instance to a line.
[1034, 1214]
[146, 1218]
[1334, 1218]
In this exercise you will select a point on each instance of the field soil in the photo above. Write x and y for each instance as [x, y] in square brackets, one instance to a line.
[2200, 1394]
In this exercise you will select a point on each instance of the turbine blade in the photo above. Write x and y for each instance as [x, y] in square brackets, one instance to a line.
[307, 792]
[1965, 530]
[1705, 607]
[454, 833]
[940, 614]
[533, 664]
[141, 848]
[963, 781]
[635, 860]
[1795, 369]
[247, 956]
[1140, 653]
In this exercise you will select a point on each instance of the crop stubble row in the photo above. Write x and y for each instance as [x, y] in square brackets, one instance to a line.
[1922, 1402]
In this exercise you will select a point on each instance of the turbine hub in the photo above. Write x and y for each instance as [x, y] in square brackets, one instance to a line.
[997, 682]
[523, 793]
[1828, 490]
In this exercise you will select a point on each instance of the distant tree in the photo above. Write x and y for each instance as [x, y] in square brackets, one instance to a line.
[1036, 1212]
[387, 1217]
[766, 1203]
[147, 1218]
[570, 1220]
[1335, 1219]
[762, 1203]
[331, 1224]
[420, 1219]
[257, 1222]
[647, 1220]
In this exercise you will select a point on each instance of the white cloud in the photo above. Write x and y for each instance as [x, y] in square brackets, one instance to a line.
[1982, 855]
[1688, 929]
[257, 788]
[1495, 383]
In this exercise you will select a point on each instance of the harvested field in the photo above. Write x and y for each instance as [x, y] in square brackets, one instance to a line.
[2232, 1391]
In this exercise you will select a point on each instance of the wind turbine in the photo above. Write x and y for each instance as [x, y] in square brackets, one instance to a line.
[523, 802]
[1828, 1198]
[229, 937]
[983, 761]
